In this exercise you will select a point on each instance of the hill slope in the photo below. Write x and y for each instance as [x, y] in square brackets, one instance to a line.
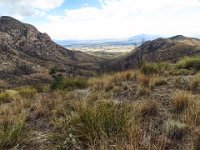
[128, 110]
[171, 49]
[24, 50]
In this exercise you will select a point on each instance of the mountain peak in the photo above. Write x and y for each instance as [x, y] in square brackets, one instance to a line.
[6, 19]
[178, 37]
[8, 24]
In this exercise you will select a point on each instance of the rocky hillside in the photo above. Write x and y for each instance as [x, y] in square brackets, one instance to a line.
[171, 49]
[24, 50]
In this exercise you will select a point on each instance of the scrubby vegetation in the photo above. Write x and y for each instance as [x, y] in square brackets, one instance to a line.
[190, 63]
[63, 83]
[155, 107]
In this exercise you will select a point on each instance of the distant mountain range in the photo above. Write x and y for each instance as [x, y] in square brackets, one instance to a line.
[143, 38]
[135, 40]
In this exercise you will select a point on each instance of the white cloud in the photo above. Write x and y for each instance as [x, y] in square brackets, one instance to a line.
[122, 18]
[22, 8]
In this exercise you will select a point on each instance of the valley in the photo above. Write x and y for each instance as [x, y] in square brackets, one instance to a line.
[97, 95]
[108, 49]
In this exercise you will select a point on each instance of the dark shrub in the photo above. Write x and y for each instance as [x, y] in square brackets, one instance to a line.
[62, 83]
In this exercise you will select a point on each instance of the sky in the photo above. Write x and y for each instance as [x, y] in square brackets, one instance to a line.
[106, 19]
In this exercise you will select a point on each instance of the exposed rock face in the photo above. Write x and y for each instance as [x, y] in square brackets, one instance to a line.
[22, 44]
[158, 50]
[24, 50]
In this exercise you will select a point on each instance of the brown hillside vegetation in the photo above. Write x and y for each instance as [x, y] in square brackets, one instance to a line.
[26, 51]
[159, 50]
[27, 55]
[155, 107]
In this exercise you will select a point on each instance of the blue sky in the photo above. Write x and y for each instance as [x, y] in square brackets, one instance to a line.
[75, 4]
[105, 19]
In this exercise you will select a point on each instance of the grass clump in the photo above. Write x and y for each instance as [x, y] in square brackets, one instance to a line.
[192, 115]
[92, 123]
[149, 68]
[148, 108]
[109, 82]
[191, 63]
[5, 97]
[195, 83]
[40, 88]
[11, 134]
[176, 130]
[143, 80]
[157, 81]
[155, 68]
[196, 140]
[27, 92]
[62, 83]
[142, 91]
[180, 101]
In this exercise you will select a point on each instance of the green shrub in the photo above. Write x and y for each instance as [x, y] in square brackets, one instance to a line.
[189, 63]
[11, 134]
[53, 70]
[62, 83]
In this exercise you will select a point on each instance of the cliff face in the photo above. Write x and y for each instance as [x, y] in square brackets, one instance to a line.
[171, 49]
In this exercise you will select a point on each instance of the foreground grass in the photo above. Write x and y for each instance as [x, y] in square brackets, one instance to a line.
[155, 107]
[11, 134]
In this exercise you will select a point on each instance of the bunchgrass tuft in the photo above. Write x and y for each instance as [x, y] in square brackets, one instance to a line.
[180, 101]
[11, 134]
[176, 130]
[92, 123]
[5, 97]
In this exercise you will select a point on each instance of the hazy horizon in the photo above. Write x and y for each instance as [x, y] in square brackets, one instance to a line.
[107, 19]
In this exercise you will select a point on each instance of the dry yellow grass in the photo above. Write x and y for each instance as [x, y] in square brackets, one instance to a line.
[124, 110]
[180, 101]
